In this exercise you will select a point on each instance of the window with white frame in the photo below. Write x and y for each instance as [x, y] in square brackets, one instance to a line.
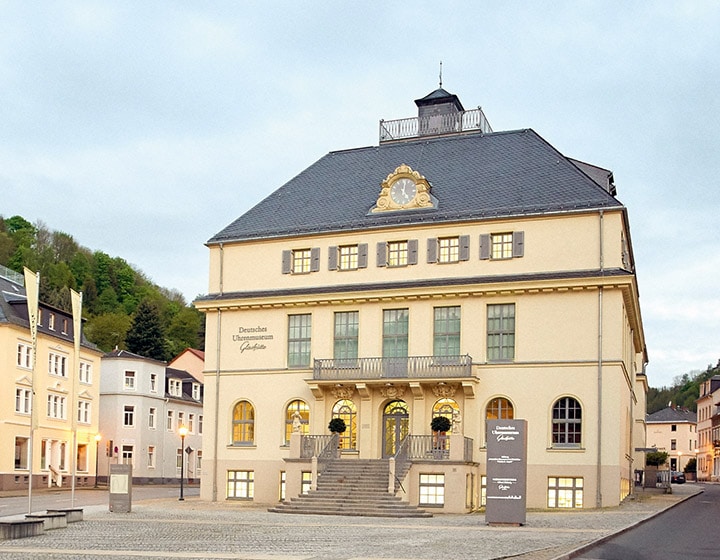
[64, 326]
[200, 424]
[446, 331]
[85, 374]
[299, 338]
[57, 364]
[175, 387]
[565, 492]
[501, 246]
[129, 380]
[241, 485]
[397, 253]
[152, 418]
[432, 489]
[129, 416]
[51, 322]
[153, 382]
[196, 391]
[151, 456]
[306, 482]
[56, 407]
[126, 454]
[448, 249]
[178, 458]
[501, 332]
[567, 423]
[345, 340]
[170, 420]
[83, 412]
[23, 400]
[24, 355]
[181, 420]
[198, 462]
[191, 423]
[348, 257]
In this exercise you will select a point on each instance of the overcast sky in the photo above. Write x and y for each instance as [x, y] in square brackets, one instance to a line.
[144, 128]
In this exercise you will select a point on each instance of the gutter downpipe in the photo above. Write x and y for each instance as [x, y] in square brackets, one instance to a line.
[217, 385]
[598, 494]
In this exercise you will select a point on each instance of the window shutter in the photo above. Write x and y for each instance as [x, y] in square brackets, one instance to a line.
[362, 255]
[518, 243]
[314, 259]
[464, 248]
[381, 254]
[286, 262]
[484, 246]
[412, 251]
[332, 258]
[432, 247]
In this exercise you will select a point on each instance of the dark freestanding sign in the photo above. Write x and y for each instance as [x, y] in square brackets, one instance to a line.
[506, 472]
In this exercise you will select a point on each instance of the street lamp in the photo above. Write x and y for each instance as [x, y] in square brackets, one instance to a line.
[182, 430]
[98, 437]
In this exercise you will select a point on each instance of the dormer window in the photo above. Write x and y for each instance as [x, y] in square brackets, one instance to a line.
[196, 391]
[51, 322]
[175, 387]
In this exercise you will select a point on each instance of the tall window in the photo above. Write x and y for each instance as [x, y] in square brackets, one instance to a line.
[153, 382]
[200, 424]
[299, 333]
[243, 424]
[129, 380]
[567, 423]
[57, 364]
[83, 412]
[56, 407]
[348, 257]
[85, 374]
[82, 457]
[565, 492]
[152, 415]
[23, 398]
[446, 338]
[178, 458]
[126, 454]
[196, 391]
[347, 410]
[501, 246]
[297, 411]
[24, 355]
[346, 335]
[191, 423]
[501, 332]
[241, 484]
[397, 253]
[305, 482]
[170, 420]
[21, 452]
[151, 456]
[395, 333]
[129, 416]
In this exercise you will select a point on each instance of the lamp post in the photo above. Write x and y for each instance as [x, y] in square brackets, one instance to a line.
[182, 430]
[98, 437]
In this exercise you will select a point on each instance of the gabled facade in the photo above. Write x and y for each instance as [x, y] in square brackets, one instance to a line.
[144, 404]
[673, 430]
[708, 428]
[449, 271]
[62, 396]
[190, 360]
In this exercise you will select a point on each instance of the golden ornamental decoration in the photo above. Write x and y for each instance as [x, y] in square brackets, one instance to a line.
[392, 392]
[342, 392]
[443, 390]
[404, 189]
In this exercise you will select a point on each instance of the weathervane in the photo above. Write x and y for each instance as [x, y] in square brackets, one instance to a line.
[441, 74]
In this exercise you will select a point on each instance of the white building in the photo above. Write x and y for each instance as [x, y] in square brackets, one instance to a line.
[143, 404]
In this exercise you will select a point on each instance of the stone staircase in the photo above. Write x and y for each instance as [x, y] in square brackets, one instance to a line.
[352, 487]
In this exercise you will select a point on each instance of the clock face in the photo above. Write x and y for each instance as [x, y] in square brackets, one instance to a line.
[403, 191]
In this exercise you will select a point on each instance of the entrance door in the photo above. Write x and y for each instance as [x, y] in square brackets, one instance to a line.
[396, 423]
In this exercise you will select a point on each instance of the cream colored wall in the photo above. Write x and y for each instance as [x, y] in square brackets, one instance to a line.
[551, 245]
[660, 435]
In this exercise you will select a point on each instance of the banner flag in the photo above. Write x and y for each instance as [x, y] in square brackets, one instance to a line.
[32, 291]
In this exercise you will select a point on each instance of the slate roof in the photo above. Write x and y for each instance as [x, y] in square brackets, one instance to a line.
[671, 415]
[474, 176]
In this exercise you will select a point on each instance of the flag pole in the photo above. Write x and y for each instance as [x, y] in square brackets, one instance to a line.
[76, 299]
[32, 291]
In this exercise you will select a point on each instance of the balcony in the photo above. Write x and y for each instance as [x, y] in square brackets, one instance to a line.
[412, 367]
[434, 125]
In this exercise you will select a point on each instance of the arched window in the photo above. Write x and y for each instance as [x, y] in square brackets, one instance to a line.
[243, 424]
[499, 409]
[447, 408]
[566, 423]
[302, 409]
[347, 410]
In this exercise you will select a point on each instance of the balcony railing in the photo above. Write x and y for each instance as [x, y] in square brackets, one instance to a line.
[412, 367]
[435, 447]
[434, 125]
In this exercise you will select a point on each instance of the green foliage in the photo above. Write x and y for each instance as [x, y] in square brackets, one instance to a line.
[691, 466]
[337, 426]
[684, 391]
[440, 424]
[112, 291]
[656, 458]
[146, 336]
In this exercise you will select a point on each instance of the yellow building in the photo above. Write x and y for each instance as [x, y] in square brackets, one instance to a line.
[61, 395]
[708, 430]
[449, 271]
[673, 430]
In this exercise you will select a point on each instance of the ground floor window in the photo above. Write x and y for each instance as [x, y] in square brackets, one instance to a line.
[241, 484]
[306, 482]
[565, 492]
[21, 453]
[127, 454]
[282, 485]
[483, 491]
[432, 489]
[82, 456]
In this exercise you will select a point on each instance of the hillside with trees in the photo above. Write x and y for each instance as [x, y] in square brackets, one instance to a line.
[122, 307]
[683, 392]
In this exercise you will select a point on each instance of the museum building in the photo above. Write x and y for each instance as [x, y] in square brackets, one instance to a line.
[448, 271]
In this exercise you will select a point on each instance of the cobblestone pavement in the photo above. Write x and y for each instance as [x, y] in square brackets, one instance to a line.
[194, 529]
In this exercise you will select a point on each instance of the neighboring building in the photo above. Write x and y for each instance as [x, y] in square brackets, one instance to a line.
[448, 271]
[708, 428]
[61, 394]
[190, 360]
[673, 430]
[144, 403]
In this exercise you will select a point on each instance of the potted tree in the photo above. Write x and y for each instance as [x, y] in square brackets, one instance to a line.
[652, 461]
[440, 425]
[337, 426]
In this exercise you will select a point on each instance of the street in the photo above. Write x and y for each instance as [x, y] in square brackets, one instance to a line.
[688, 530]
[61, 498]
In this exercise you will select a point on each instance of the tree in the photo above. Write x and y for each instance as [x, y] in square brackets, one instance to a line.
[146, 336]
[108, 331]
[656, 458]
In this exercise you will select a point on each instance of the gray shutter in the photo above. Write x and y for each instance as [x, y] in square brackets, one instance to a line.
[464, 247]
[518, 243]
[362, 255]
[432, 248]
[381, 254]
[332, 258]
[412, 251]
[485, 246]
[286, 262]
[314, 259]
